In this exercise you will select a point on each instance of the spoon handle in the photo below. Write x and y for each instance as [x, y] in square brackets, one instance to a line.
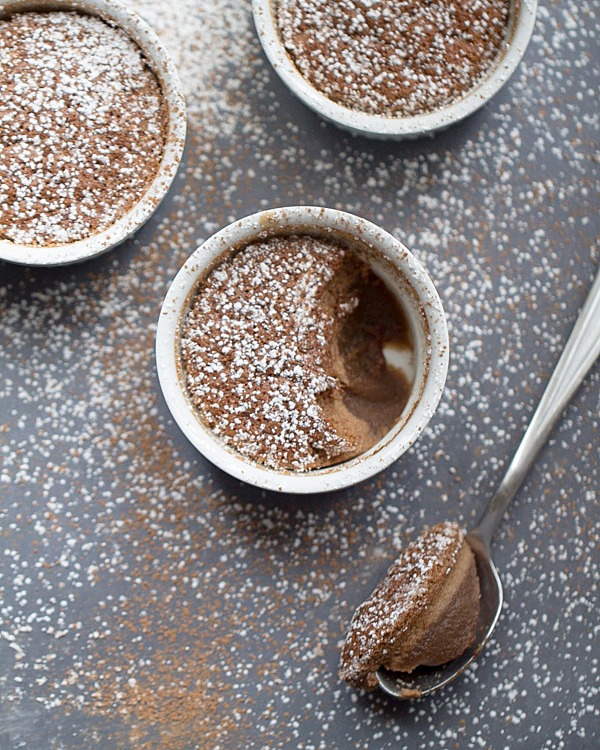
[580, 353]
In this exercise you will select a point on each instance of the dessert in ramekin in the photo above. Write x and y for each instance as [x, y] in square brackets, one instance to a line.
[394, 69]
[92, 123]
[302, 349]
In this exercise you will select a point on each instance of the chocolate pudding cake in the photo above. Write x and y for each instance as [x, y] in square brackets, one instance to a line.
[423, 613]
[284, 353]
[82, 126]
[393, 57]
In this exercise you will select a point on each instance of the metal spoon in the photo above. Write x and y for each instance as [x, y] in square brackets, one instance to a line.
[580, 353]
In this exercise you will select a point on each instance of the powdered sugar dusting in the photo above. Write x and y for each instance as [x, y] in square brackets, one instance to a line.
[256, 351]
[408, 589]
[213, 48]
[82, 122]
[393, 57]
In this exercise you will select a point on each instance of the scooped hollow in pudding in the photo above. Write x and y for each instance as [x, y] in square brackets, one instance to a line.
[423, 613]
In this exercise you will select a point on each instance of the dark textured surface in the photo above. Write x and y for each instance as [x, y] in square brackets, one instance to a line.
[148, 600]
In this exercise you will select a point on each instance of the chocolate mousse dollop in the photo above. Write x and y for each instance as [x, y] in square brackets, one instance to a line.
[423, 613]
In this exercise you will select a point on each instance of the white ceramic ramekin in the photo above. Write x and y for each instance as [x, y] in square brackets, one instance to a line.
[393, 262]
[522, 19]
[146, 39]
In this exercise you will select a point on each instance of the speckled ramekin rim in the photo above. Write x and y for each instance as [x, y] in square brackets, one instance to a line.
[393, 261]
[120, 230]
[522, 21]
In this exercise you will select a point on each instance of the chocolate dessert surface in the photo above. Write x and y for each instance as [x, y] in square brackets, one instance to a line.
[82, 126]
[282, 353]
[393, 57]
[423, 613]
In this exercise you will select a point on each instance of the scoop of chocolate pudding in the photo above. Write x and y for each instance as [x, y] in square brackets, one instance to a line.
[282, 352]
[423, 613]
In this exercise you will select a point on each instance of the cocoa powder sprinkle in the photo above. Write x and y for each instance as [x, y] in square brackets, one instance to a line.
[82, 125]
[393, 57]
[254, 347]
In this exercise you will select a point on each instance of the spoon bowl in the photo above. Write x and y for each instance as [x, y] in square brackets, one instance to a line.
[425, 680]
